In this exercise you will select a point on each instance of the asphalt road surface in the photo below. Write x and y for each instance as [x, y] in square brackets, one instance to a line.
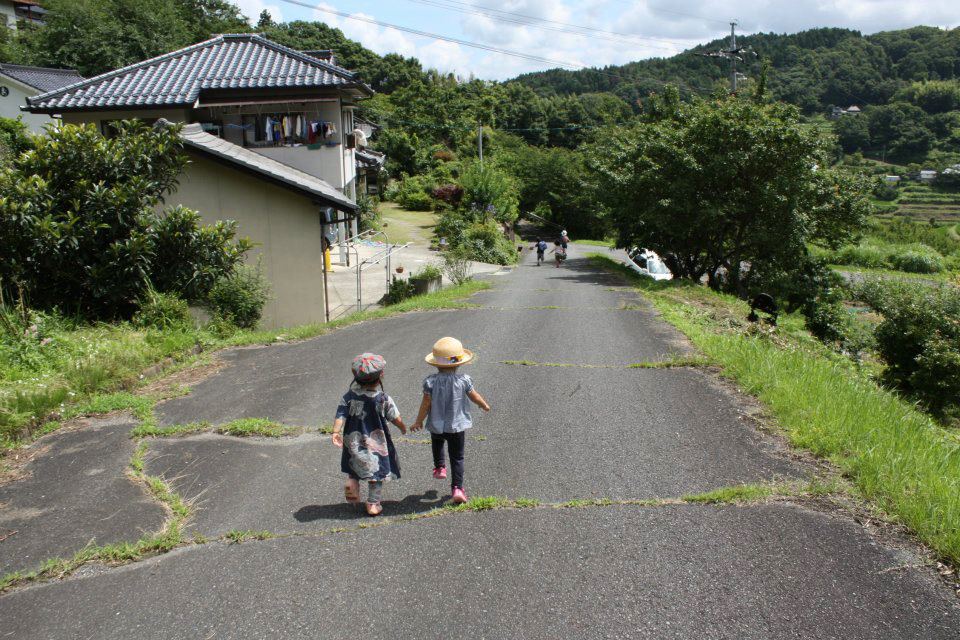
[589, 430]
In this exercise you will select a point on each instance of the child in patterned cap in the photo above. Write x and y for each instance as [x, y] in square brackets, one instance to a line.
[361, 430]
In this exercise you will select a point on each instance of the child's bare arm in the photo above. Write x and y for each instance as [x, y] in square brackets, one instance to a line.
[422, 413]
[478, 400]
[400, 424]
[337, 436]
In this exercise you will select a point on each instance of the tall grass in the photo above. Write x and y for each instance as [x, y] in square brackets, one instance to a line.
[896, 456]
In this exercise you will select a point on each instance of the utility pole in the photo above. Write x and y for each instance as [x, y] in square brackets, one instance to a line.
[480, 144]
[732, 54]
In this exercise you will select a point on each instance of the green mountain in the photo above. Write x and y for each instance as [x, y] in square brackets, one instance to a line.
[813, 69]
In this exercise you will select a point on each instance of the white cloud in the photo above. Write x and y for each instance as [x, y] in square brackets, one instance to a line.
[648, 28]
[252, 9]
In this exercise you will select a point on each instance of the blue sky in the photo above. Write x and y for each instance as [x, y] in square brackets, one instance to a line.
[647, 28]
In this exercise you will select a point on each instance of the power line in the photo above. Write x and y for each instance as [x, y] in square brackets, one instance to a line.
[544, 24]
[426, 34]
[485, 47]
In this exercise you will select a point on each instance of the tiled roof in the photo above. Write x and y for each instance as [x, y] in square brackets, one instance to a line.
[232, 61]
[370, 158]
[311, 186]
[41, 78]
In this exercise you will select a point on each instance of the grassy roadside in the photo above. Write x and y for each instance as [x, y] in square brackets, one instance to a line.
[950, 277]
[896, 456]
[91, 369]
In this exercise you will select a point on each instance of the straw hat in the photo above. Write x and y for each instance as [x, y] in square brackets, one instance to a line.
[448, 352]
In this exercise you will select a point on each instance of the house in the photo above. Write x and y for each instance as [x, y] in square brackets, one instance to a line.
[928, 175]
[894, 180]
[852, 110]
[17, 83]
[268, 129]
[12, 11]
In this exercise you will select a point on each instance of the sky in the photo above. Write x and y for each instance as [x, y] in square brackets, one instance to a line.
[609, 31]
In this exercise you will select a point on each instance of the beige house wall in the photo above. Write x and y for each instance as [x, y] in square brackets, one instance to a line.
[285, 227]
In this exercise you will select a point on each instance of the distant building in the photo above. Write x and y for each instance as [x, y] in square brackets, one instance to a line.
[836, 112]
[852, 110]
[17, 83]
[928, 175]
[12, 11]
[891, 179]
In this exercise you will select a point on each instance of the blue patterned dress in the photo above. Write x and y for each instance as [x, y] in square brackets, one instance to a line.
[368, 451]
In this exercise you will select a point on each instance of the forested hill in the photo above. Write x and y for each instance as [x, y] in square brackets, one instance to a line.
[813, 69]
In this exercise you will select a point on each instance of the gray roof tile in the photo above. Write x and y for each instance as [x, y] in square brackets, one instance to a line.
[41, 78]
[230, 61]
[311, 186]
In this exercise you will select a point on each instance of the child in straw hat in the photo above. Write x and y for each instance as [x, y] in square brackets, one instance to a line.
[361, 430]
[446, 410]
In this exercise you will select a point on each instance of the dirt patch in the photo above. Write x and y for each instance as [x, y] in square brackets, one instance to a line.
[173, 382]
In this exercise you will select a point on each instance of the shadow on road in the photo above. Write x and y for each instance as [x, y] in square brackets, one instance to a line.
[344, 511]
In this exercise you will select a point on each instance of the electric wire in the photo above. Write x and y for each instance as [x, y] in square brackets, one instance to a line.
[498, 50]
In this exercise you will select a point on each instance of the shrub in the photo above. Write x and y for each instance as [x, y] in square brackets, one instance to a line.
[162, 311]
[368, 210]
[428, 272]
[81, 228]
[240, 297]
[490, 192]
[188, 258]
[917, 339]
[916, 262]
[861, 256]
[452, 194]
[485, 242]
[456, 266]
[399, 291]
[413, 193]
[828, 320]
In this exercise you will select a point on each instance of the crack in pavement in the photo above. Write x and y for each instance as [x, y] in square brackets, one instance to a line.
[170, 536]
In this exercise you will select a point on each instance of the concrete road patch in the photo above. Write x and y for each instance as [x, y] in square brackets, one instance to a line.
[75, 494]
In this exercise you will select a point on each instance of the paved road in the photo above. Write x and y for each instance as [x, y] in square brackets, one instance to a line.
[593, 430]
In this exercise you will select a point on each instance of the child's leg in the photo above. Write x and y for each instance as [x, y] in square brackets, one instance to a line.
[436, 442]
[351, 490]
[456, 443]
[374, 508]
[374, 491]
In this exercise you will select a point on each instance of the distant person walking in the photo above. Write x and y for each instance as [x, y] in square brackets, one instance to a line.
[361, 430]
[559, 252]
[447, 412]
[541, 248]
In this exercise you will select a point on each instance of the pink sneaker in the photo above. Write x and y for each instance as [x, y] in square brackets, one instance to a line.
[459, 497]
[440, 473]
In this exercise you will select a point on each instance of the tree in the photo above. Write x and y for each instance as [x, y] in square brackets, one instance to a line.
[728, 188]
[900, 128]
[81, 225]
[265, 21]
[94, 36]
[852, 133]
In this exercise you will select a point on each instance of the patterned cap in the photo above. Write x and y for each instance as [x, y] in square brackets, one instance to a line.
[367, 367]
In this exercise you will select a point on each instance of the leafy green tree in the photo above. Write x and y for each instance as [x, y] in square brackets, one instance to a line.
[94, 36]
[901, 129]
[81, 227]
[853, 133]
[731, 189]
